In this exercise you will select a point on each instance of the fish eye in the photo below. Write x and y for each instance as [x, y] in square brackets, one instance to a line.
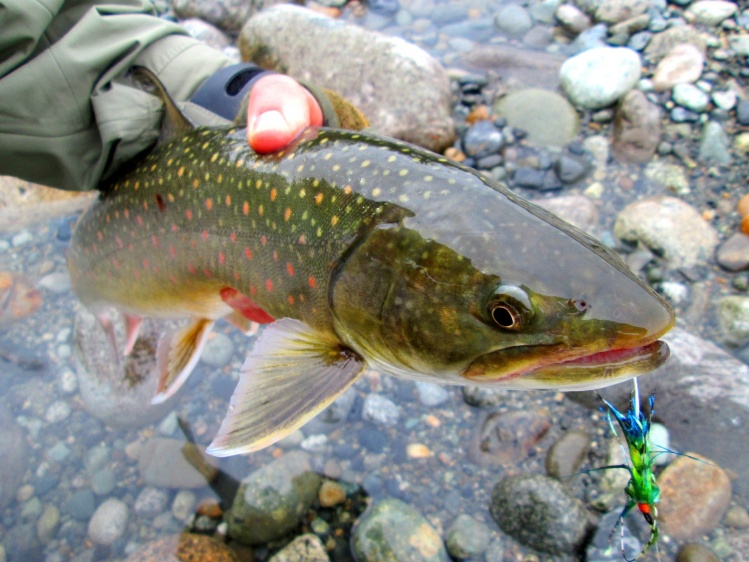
[510, 308]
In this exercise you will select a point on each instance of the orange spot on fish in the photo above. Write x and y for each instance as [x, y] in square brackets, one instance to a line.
[233, 236]
[188, 214]
[154, 241]
[209, 203]
[181, 171]
[347, 190]
[195, 184]
[269, 285]
[275, 255]
[312, 282]
[290, 269]
[228, 200]
[191, 268]
[236, 275]
[119, 242]
[170, 197]
[126, 213]
[248, 253]
[204, 234]
[287, 214]
[146, 264]
[253, 290]
[160, 202]
[302, 239]
[263, 239]
[175, 228]
[206, 272]
[145, 205]
[334, 220]
[99, 235]
[273, 194]
[290, 299]
[318, 198]
[172, 251]
[139, 220]
[246, 208]
[221, 258]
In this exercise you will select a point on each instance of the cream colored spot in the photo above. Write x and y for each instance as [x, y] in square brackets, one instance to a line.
[428, 178]
[366, 163]
[403, 172]
[376, 192]
[403, 198]
[391, 159]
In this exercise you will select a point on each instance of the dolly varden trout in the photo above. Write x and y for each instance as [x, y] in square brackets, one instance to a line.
[358, 251]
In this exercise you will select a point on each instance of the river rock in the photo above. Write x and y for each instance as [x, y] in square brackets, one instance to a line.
[207, 33]
[733, 319]
[598, 77]
[228, 15]
[637, 128]
[509, 437]
[416, 107]
[577, 210]
[546, 117]
[162, 463]
[272, 500]
[695, 494]
[696, 553]
[733, 254]
[467, 537]
[567, 454]
[669, 177]
[392, 530]
[661, 44]
[539, 512]
[513, 19]
[119, 395]
[715, 147]
[304, 548]
[15, 457]
[683, 64]
[519, 68]
[670, 227]
[614, 11]
[108, 522]
[184, 547]
[711, 12]
[572, 19]
[691, 97]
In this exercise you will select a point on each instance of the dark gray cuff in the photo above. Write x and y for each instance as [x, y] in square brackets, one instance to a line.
[226, 90]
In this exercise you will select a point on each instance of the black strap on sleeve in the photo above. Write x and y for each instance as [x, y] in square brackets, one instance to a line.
[225, 90]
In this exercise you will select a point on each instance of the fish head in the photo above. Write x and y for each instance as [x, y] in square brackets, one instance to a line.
[514, 298]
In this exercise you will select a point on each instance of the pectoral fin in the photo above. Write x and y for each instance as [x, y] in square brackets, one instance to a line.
[292, 374]
[177, 355]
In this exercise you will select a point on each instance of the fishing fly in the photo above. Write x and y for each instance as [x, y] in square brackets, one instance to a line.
[642, 489]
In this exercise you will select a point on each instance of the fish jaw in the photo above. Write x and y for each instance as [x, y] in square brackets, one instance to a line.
[556, 371]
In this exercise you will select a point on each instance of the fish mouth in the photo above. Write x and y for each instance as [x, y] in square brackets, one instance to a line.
[522, 368]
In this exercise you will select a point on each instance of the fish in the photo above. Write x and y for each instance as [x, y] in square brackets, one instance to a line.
[356, 252]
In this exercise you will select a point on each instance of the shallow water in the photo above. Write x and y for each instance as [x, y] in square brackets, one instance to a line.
[72, 442]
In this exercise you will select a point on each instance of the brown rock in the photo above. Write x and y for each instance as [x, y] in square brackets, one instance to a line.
[18, 297]
[614, 11]
[733, 254]
[694, 497]
[743, 206]
[519, 68]
[683, 64]
[696, 553]
[331, 493]
[184, 548]
[508, 438]
[637, 128]
[662, 43]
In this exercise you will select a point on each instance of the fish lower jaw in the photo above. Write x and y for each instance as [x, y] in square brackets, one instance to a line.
[583, 372]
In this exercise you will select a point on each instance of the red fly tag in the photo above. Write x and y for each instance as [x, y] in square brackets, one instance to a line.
[246, 307]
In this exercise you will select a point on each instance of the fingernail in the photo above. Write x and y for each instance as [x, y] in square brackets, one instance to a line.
[270, 121]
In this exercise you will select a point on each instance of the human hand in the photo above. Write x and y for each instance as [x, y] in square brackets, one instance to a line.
[279, 108]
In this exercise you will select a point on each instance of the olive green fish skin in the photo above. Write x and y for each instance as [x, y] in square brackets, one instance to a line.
[399, 253]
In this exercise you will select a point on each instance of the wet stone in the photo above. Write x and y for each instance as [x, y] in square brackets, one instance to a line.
[572, 18]
[162, 463]
[183, 505]
[431, 394]
[372, 439]
[683, 115]
[683, 64]
[150, 502]
[598, 77]
[670, 227]
[271, 500]
[671, 177]
[733, 319]
[605, 547]
[570, 168]
[467, 537]
[614, 11]
[711, 12]
[80, 505]
[567, 454]
[108, 522]
[47, 524]
[482, 139]
[508, 438]
[733, 254]
[577, 210]
[694, 497]
[304, 548]
[742, 112]
[481, 397]
[714, 144]
[394, 530]
[184, 547]
[539, 512]
[691, 97]
[513, 19]
[380, 410]
[546, 117]
[103, 482]
[696, 553]
[218, 350]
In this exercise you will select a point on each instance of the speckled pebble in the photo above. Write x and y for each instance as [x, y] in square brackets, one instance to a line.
[431, 394]
[23, 237]
[467, 537]
[68, 381]
[150, 502]
[108, 522]
[380, 409]
[599, 77]
[183, 505]
[691, 97]
[57, 411]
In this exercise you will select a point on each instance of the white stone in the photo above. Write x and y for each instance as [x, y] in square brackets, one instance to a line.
[598, 77]
[711, 12]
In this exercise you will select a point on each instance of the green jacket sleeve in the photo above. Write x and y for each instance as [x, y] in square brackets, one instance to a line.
[67, 117]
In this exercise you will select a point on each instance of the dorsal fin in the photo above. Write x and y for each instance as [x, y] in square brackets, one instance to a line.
[175, 123]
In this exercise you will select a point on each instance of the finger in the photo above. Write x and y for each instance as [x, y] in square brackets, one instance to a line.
[279, 109]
